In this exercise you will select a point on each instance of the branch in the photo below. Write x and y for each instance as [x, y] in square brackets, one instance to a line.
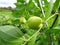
[41, 8]
[34, 34]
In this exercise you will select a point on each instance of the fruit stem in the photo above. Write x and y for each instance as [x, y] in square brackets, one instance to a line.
[51, 17]
[34, 34]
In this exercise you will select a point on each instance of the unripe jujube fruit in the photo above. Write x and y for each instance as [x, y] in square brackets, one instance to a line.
[34, 22]
[22, 20]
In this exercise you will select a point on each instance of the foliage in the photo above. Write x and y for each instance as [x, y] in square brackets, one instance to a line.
[13, 32]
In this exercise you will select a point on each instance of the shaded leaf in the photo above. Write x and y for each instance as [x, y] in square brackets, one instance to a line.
[9, 33]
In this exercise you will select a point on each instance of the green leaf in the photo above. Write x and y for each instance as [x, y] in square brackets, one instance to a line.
[49, 8]
[16, 22]
[9, 33]
[33, 39]
[56, 5]
[21, 1]
[55, 30]
[57, 21]
[57, 27]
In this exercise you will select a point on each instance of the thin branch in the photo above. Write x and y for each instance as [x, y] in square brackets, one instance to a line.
[43, 14]
[41, 6]
[51, 17]
[34, 34]
[50, 35]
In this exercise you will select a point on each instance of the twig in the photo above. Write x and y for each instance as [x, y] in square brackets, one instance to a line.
[34, 34]
[50, 35]
[41, 8]
[50, 17]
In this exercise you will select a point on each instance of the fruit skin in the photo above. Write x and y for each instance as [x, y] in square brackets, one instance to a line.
[34, 22]
[22, 20]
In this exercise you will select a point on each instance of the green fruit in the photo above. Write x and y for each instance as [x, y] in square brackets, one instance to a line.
[34, 22]
[22, 20]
